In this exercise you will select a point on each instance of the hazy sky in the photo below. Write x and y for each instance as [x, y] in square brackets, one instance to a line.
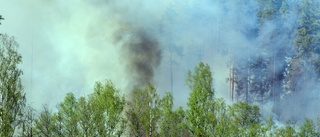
[67, 45]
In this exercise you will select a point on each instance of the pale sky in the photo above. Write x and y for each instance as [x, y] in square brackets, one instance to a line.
[67, 45]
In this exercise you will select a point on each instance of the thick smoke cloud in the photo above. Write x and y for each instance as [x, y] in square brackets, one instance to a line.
[68, 45]
[141, 55]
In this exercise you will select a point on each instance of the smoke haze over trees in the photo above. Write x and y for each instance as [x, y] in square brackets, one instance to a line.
[260, 52]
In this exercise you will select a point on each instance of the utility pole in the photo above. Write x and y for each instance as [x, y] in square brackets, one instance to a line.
[171, 73]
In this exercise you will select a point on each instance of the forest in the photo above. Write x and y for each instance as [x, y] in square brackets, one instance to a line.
[276, 60]
[106, 112]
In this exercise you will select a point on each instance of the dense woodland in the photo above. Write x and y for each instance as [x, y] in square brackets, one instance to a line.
[284, 65]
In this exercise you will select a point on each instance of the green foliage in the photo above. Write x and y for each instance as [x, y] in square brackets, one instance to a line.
[167, 128]
[182, 128]
[307, 40]
[27, 126]
[85, 117]
[44, 123]
[200, 116]
[244, 114]
[223, 126]
[307, 129]
[58, 127]
[245, 119]
[305, 63]
[269, 128]
[67, 111]
[260, 74]
[143, 112]
[12, 97]
[106, 105]
[171, 122]
[102, 114]
[287, 131]
[268, 9]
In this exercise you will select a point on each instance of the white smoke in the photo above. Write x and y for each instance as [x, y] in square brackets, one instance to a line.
[68, 45]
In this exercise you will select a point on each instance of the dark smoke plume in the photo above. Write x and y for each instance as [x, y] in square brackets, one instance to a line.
[141, 55]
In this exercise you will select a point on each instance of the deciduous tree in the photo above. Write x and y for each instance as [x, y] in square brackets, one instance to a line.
[171, 121]
[143, 112]
[200, 117]
[67, 111]
[44, 123]
[245, 118]
[12, 97]
[107, 105]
